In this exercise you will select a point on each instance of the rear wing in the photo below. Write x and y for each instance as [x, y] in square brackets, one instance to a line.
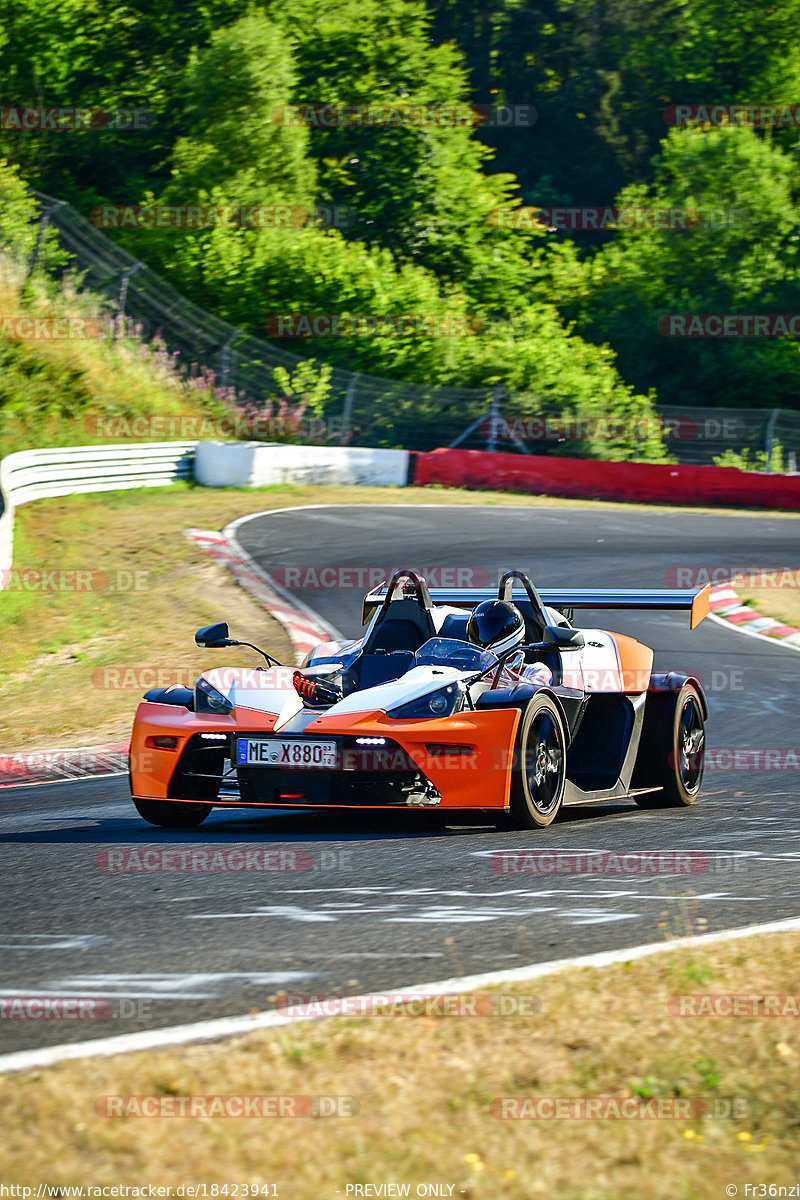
[696, 603]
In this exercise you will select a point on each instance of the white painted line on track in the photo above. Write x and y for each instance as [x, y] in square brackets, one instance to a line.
[224, 1027]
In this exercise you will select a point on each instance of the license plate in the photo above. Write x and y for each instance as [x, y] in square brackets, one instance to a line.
[302, 753]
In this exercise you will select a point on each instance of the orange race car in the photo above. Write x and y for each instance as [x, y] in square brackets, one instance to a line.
[458, 699]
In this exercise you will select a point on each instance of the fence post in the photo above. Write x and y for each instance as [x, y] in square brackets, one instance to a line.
[348, 407]
[494, 419]
[770, 439]
[225, 359]
[122, 299]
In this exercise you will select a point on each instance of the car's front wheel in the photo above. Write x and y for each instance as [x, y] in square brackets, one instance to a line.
[539, 771]
[672, 753]
[172, 815]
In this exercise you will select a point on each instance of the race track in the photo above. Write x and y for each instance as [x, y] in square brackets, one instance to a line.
[396, 900]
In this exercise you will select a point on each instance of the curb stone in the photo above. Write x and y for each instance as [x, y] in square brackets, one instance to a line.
[63, 766]
[726, 605]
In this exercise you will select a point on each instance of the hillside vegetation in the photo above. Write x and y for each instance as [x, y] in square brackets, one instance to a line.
[67, 375]
[394, 115]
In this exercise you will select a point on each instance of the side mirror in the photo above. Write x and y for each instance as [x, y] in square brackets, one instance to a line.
[213, 636]
[563, 639]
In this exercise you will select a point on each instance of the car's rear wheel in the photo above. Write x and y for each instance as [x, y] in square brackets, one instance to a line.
[539, 771]
[172, 815]
[672, 753]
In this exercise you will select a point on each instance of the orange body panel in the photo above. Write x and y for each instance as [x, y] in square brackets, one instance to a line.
[636, 663]
[151, 768]
[701, 606]
[477, 780]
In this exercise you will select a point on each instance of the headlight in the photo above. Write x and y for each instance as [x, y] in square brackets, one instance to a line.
[441, 703]
[208, 700]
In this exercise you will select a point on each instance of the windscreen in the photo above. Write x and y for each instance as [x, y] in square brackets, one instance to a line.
[451, 652]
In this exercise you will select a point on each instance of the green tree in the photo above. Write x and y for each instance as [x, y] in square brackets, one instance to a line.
[18, 215]
[740, 258]
[236, 150]
[95, 54]
[603, 72]
[419, 190]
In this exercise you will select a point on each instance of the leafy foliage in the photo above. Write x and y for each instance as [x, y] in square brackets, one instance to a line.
[741, 258]
[566, 321]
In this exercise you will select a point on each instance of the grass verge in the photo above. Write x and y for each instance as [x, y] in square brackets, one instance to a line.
[94, 642]
[425, 1087]
[76, 663]
[775, 594]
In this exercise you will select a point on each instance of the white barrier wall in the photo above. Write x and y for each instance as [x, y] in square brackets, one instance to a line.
[256, 464]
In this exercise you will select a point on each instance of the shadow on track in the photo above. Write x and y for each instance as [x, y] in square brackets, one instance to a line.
[298, 826]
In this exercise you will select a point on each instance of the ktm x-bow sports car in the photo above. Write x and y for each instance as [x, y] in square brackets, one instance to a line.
[415, 715]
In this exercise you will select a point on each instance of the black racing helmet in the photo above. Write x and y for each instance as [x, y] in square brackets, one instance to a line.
[496, 625]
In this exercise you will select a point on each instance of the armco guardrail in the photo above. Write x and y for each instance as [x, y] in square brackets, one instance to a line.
[37, 474]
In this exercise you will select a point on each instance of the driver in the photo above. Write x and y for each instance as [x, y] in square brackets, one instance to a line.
[499, 626]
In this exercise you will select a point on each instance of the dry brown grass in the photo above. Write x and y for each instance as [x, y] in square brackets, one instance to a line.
[63, 652]
[775, 594]
[425, 1086]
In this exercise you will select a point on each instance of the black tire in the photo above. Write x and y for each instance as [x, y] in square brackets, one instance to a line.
[172, 815]
[539, 770]
[672, 752]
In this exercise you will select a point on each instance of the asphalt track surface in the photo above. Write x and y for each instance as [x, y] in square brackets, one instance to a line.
[393, 900]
